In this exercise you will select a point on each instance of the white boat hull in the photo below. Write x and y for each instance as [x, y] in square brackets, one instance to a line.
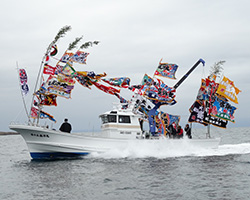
[50, 144]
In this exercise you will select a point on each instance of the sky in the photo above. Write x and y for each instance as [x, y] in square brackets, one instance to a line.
[134, 36]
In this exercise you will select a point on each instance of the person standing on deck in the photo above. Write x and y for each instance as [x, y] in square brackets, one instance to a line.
[65, 127]
[188, 131]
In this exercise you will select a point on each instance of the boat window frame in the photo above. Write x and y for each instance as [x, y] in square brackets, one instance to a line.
[109, 118]
[124, 119]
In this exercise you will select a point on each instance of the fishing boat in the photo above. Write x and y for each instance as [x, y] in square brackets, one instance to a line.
[121, 127]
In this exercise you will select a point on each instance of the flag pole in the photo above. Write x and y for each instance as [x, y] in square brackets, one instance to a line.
[25, 107]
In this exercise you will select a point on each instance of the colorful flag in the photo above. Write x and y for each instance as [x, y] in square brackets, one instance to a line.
[68, 70]
[66, 57]
[79, 57]
[66, 79]
[161, 93]
[23, 76]
[44, 115]
[109, 90]
[58, 88]
[223, 110]
[215, 121]
[119, 82]
[202, 93]
[49, 69]
[166, 70]
[34, 112]
[197, 113]
[47, 99]
[23, 81]
[147, 80]
[228, 90]
[91, 74]
[84, 80]
[169, 119]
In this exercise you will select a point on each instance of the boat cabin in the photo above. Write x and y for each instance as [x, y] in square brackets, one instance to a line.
[120, 124]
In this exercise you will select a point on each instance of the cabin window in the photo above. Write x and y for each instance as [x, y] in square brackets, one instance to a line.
[112, 118]
[124, 119]
[108, 119]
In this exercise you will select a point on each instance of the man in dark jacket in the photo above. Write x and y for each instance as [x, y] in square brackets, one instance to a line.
[188, 131]
[65, 127]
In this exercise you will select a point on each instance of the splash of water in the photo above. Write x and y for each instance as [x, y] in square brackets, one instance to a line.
[163, 149]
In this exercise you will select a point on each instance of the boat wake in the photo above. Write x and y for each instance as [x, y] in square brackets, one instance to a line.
[162, 150]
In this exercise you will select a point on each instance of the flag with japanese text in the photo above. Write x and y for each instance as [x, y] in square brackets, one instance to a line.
[79, 57]
[166, 70]
[228, 90]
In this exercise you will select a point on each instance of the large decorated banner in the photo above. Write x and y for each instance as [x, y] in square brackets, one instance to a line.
[223, 110]
[228, 90]
[197, 113]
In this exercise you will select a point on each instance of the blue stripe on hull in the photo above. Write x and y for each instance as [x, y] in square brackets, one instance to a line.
[56, 155]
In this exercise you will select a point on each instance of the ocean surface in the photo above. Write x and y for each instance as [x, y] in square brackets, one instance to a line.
[137, 173]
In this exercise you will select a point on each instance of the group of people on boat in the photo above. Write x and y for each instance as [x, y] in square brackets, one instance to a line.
[176, 132]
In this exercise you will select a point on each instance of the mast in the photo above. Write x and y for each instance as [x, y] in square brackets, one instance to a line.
[60, 34]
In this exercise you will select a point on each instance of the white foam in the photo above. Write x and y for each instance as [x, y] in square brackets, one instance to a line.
[163, 149]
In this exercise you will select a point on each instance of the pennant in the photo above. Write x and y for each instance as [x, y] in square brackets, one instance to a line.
[49, 69]
[223, 110]
[23, 76]
[79, 57]
[119, 82]
[228, 90]
[109, 90]
[166, 70]
[44, 115]
[23, 81]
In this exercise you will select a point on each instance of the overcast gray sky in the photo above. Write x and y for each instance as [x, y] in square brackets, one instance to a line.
[134, 36]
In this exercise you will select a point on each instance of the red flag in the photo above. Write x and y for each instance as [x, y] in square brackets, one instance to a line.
[109, 90]
[49, 69]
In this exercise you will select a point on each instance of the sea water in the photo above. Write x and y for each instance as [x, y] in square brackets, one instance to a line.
[138, 172]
